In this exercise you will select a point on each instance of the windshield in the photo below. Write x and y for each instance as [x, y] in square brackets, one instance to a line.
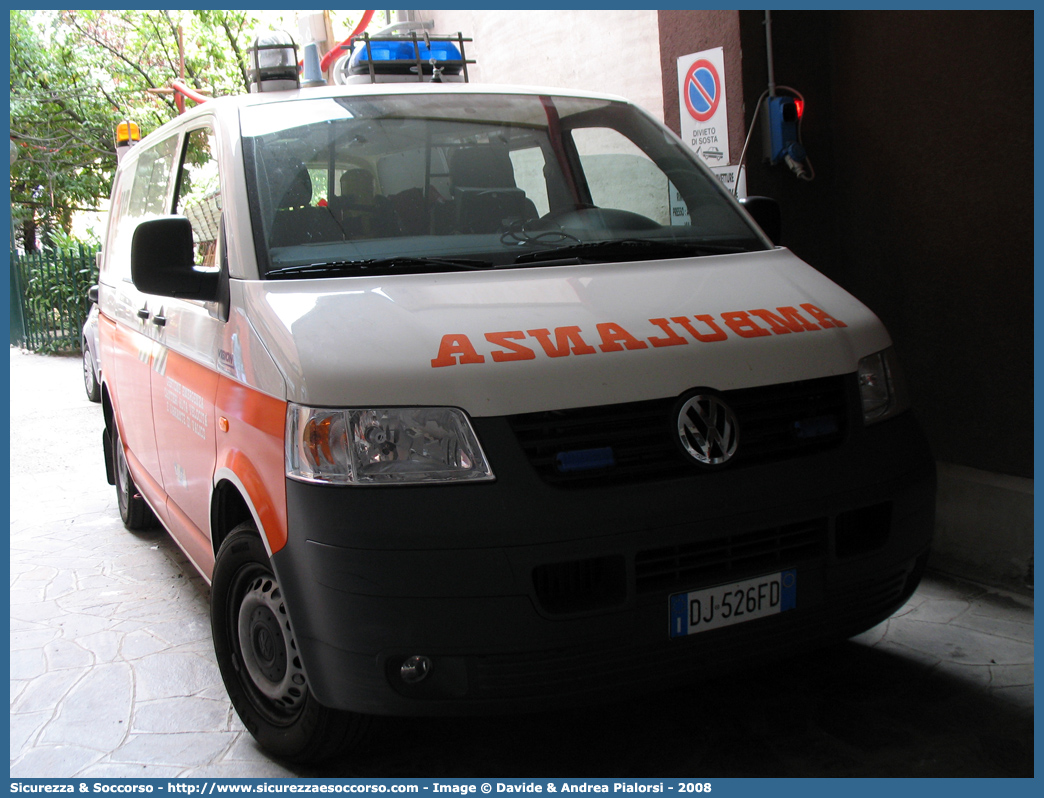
[428, 183]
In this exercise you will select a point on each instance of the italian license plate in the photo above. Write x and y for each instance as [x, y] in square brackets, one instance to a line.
[725, 605]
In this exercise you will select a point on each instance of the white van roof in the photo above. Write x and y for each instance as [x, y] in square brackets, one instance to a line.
[222, 106]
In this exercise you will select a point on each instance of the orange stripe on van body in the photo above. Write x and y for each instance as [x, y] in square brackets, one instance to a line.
[252, 449]
[149, 488]
[192, 540]
[183, 418]
[129, 376]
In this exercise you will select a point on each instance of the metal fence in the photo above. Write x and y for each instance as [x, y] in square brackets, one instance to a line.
[49, 297]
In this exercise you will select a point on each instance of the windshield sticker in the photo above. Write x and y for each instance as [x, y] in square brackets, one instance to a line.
[457, 349]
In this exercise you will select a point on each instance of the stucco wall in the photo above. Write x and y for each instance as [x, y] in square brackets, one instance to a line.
[685, 32]
[615, 52]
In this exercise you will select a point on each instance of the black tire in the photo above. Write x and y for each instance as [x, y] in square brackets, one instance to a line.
[259, 663]
[135, 513]
[90, 382]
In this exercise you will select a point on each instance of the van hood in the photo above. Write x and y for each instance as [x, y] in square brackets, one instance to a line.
[521, 340]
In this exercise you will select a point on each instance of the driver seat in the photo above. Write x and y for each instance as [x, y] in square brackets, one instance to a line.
[485, 195]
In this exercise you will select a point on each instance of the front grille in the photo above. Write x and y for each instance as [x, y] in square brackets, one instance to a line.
[845, 610]
[775, 421]
[580, 585]
[723, 559]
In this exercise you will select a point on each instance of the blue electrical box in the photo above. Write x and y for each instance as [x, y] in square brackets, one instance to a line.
[783, 116]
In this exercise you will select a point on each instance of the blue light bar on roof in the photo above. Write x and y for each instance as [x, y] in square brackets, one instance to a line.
[413, 57]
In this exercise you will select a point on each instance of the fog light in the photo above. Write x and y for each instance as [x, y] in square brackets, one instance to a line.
[415, 669]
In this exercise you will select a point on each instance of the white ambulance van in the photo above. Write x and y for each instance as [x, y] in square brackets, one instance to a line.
[473, 398]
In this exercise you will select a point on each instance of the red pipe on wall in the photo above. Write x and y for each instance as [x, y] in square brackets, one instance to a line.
[184, 90]
[336, 51]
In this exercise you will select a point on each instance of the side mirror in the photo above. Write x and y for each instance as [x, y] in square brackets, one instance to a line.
[765, 211]
[92, 294]
[163, 261]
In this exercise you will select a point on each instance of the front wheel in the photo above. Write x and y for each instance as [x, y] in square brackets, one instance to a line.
[259, 661]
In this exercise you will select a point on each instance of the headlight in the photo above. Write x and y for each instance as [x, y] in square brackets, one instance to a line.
[882, 387]
[382, 446]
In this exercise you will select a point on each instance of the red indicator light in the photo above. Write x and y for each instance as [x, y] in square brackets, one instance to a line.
[800, 107]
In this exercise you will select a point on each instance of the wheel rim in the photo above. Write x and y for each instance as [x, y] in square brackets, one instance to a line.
[267, 647]
[122, 476]
[88, 371]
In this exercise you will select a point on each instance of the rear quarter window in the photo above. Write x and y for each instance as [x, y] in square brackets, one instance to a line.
[143, 193]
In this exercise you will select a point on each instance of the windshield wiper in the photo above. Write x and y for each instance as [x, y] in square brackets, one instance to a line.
[627, 249]
[380, 266]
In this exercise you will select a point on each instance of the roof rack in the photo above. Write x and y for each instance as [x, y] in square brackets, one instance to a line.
[433, 56]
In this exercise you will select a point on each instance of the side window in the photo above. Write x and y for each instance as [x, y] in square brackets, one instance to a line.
[199, 194]
[152, 177]
[117, 211]
[529, 176]
[146, 194]
[320, 190]
[619, 175]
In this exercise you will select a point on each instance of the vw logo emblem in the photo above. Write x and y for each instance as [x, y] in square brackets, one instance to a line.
[708, 429]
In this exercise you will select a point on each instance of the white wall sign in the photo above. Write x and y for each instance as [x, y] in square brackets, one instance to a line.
[728, 175]
[734, 178]
[701, 100]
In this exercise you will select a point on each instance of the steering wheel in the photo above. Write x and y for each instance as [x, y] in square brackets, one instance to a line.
[593, 218]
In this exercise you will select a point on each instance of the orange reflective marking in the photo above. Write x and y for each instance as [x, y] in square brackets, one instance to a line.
[457, 349]
[516, 351]
[253, 451]
[742, 324]
[454, 349]
[823, 317]
[612, 336]
[716, 334]
[567, 339]
[788, 320]
[183, 421]
[672, 339]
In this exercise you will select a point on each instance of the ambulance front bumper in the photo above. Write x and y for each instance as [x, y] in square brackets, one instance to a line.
[525, 596]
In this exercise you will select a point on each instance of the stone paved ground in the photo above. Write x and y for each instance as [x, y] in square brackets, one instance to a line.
[113, 675]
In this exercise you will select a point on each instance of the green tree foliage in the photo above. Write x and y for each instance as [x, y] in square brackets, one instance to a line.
[60, 126]
[76, 74]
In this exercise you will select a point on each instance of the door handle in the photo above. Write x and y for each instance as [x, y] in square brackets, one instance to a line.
[143, 313]
[159, 320]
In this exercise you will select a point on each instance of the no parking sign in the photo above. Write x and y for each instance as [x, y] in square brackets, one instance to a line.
[701, 101]
[702, 90]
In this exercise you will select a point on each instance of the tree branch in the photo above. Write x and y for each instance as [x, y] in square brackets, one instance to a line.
[120, 56]
[240, 61]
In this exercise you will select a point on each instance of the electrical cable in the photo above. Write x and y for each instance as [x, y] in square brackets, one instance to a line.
[750, 132]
